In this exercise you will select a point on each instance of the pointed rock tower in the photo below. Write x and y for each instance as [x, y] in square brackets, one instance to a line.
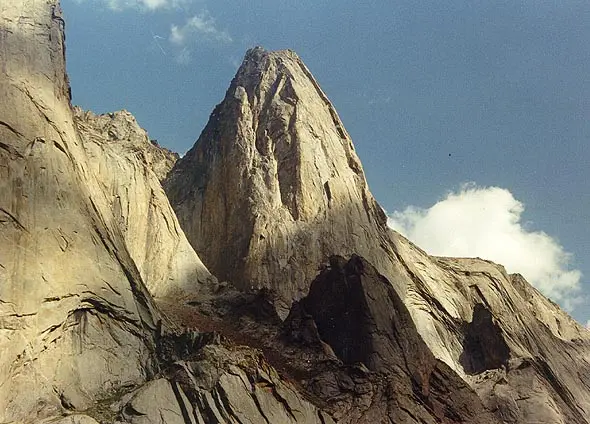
[273, 186]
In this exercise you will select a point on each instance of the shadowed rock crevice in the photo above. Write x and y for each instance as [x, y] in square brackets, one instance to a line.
[484, 347]
[353, 313]
[339, 303]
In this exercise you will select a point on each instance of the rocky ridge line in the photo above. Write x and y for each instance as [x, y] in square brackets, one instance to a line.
[273, 188]
[81, 339]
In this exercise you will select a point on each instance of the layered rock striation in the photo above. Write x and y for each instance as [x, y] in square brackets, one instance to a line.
[269, 194]
[273, 186]
[75, 318]
[87, 233]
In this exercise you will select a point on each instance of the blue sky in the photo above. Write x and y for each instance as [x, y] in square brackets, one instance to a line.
[471, 109]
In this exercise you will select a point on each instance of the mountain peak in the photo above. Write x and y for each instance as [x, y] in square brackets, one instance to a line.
[265, 73]
[271, 193]
[259, 54]
[273, 188]
[285, 166]
[257, 61]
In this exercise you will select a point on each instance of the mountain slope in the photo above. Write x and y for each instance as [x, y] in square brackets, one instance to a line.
[273, 188]
[271, 191]
[75, 318]
[128, 167]
[273, 184]
[85, 226]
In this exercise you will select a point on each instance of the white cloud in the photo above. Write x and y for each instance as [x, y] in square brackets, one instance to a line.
[198, 29]
[142, 4]
[486, 222]
[202, 26]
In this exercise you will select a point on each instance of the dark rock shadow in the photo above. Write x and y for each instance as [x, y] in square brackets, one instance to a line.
[484, 347]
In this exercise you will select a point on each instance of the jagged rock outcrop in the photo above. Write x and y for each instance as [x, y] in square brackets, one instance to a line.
[129, 166]
[75, 318]
[204, 381]
[357, 312]
[273, 187]
[82, 215]
[351, 347]
[120, 130]
[536, 370]
[271, 190]
[236, 385]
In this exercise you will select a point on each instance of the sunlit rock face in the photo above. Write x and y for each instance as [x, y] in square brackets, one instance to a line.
[75, 318]
[85, 230]
[271, 191]
[129, 167]
[273, 187]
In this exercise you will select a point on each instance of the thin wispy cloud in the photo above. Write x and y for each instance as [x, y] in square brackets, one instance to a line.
[157, 39]
[146, 5]
[199, 27]
[198, 30]
[486, 222]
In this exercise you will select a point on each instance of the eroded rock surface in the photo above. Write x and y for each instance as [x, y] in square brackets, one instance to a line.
[128, 166]
[85, 226]
[121, 132]
[269, 193]
[273, 187]
[274, 182]
[75, 318]
[359, 315]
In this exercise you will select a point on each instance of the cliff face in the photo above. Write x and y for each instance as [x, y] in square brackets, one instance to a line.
[75, 318]
[128, 167]
[269, 194]
[86, 229]
[120, 132]
[526, 358]
[357, 312]
[273, 187]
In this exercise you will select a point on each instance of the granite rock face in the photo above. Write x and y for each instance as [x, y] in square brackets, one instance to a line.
[274, 182]
[234, 385]
[120, 131]
[273, 188]
[75, 318]
[357, 312]
[129, 167]
[205, 381]
[86, 229]
[269, 194]
[526, 358]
